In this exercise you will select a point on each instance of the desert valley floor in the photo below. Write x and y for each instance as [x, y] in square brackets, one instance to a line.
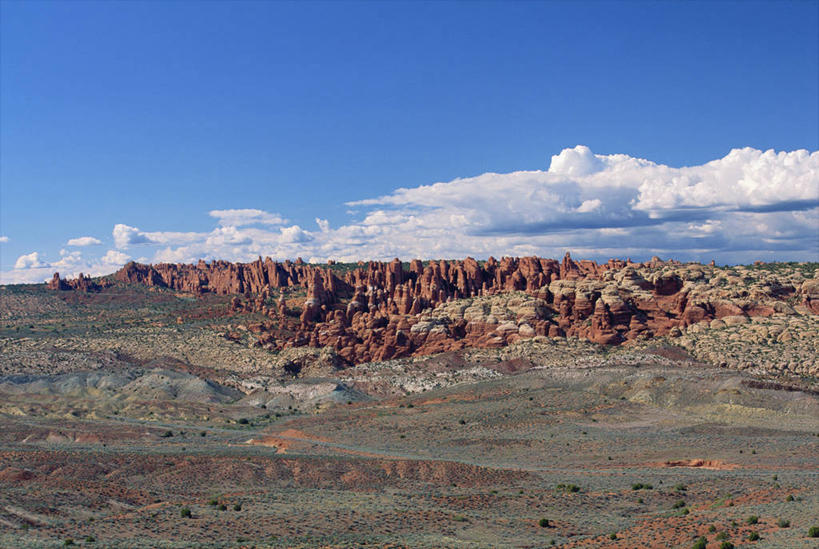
[134, 415]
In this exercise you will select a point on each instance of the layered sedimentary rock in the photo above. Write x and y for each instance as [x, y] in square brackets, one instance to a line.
[83, 283]
[381, 310]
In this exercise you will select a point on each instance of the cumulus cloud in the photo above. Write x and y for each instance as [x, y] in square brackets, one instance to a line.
[83, 241]
[578, 161]
[323, 224]
[126, 236]
[28, 261]
[34, 267]
[745, 206]
[584, 195]
[246, 216]
[589, 205]
[748, 205]
[295, 234]
[114, 257]
[4, 239]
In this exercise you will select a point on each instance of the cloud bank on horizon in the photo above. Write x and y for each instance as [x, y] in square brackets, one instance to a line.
[749, 205]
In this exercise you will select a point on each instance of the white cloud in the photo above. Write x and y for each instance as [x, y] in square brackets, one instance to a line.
[67, 260]
[4, 239]
[745, 179]
[295, 234]
[114, 257]
[126, 236]
[248, 216]
[584, 200]
[589, 205]
[83, 241]
[578, 161]
[748, 205]
[32, 267]
[28, 261]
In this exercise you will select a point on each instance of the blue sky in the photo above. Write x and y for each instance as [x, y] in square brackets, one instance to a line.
[152, 115]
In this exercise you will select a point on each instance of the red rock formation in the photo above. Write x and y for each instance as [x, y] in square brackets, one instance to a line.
[82, 283]
[374, 311]
[56, 283]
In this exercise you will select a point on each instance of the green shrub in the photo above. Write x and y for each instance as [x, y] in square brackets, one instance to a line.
[726, 545]
[185, 512]
[68, 541]
[574, 488]
[784, 523]
[721, 536]
[613, 535]
[90, 539]
[641, 486]
[237, 507]
[753, 519]
[813, 532]
[223, 507]
[544, 523]
[214, 502]
[789, 498]
[753, 536]
[680, 487]
[701, 543]
[679, 504]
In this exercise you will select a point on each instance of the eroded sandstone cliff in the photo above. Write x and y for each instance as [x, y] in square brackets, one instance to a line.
[382, 310]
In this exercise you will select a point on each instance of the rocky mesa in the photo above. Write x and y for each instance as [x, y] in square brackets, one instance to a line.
[381, 310]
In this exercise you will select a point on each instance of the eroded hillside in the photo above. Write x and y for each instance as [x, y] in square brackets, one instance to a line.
[378, 311]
